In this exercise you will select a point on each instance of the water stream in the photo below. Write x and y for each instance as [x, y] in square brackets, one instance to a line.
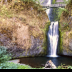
[53, 36]
[53, 33]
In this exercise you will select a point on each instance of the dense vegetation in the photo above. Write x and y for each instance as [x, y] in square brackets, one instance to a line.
[58, 11]
[64, 15]
[9, 9]
[4, 56]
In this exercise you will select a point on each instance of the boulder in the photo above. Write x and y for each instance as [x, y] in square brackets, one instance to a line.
[49, 65]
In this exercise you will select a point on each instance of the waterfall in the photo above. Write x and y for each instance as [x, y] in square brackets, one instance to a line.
[50, 11]
[53, 35]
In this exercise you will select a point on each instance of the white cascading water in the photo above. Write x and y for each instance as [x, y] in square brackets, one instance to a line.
[53, 36]
[49, 11]
[53, 33]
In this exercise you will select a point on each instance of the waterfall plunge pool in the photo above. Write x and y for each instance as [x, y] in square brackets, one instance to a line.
[38, 62]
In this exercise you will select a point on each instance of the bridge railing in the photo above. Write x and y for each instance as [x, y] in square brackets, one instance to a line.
[54, 5]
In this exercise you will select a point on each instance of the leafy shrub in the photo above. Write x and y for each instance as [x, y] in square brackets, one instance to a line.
[67, 1]
[60, 67]
[4, 56]
[11, 65]
[24, 67]
[69, 67]
[60, 10]
[8, 65]
[63, 66]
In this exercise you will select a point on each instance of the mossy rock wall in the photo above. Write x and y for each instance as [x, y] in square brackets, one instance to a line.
[66, 32]
[23, 29]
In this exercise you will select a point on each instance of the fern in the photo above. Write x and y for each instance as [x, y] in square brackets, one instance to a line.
[60, 10]
[4, 56]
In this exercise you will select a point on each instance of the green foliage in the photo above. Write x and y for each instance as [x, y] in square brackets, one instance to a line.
[5, 11]
[4, 56]
[69, 67]
[60, 39]
[36, 4]
[8, 65]
[24, 67]
[53, 2]
[60, 10]
[66, 26]
[17, 6]
[65, 23]
[55, 13]
[31, 1]
[45, 32]
[11, 65]
[66, 2]
[61, 67]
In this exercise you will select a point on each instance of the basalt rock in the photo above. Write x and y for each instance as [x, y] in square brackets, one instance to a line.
[66, 32]
[24, 34]
[50, 65]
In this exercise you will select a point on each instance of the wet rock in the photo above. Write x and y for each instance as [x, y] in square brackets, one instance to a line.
[49, 65]
[70, 44]
[36, 48]
[24, 35]
[15, 61]
[66, 43]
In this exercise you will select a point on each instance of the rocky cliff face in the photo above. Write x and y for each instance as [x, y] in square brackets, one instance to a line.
[66, 31]
[24, 33]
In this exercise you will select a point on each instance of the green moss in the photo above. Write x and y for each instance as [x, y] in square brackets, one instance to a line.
[60, 39]
[11, 65]
[64, 28]
[62, 35]
[54, 1]
[45, 36]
